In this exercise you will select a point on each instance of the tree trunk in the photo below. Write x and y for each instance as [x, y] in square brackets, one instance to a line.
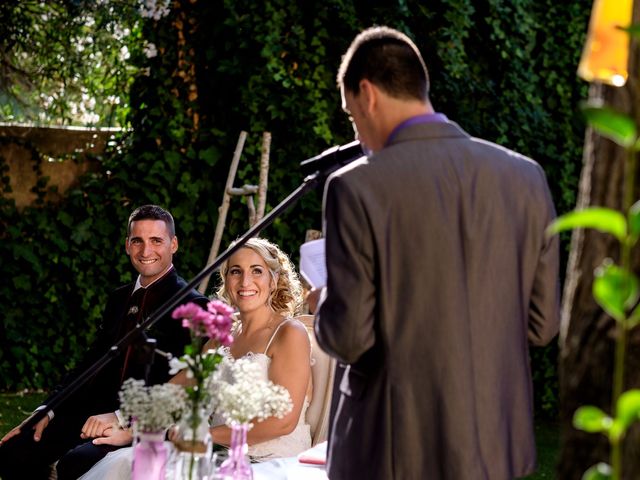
[587, 333]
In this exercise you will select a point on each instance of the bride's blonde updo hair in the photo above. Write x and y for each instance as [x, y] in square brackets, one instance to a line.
[286, 298]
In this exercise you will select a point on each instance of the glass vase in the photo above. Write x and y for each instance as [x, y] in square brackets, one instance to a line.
[237, 466]
[149, 456]
[194, 447]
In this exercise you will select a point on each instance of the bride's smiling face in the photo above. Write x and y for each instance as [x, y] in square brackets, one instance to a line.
[248, 280]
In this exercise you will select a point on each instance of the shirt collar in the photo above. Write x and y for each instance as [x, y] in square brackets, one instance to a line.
[418, 119]
[139, 285]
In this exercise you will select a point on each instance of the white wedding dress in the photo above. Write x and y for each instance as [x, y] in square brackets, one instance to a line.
[117, 464]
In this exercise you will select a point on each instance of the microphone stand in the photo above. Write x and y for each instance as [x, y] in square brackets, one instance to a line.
[310, 182]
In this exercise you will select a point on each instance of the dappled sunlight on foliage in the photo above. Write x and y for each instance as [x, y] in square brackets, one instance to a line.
[68, 63]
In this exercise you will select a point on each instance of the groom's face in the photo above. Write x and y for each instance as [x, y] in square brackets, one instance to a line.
[151, 248]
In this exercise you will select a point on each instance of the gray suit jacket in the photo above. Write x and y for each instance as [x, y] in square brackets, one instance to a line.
[439, 277]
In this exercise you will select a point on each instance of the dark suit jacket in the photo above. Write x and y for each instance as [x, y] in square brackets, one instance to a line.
[100, 394]
[439, 276]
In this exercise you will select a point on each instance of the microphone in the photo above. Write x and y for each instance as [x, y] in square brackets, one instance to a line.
[334, 157]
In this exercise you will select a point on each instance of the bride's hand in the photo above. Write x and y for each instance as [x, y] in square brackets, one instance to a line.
[114, 436]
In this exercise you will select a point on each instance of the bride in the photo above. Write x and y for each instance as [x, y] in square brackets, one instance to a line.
[260, 282]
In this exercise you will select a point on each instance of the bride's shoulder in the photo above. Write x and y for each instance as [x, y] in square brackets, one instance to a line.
[292, 324]
[292, 333]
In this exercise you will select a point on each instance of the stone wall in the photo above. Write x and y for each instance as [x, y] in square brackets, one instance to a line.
[55, 147]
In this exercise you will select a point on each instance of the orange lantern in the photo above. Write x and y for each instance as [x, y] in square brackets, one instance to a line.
[606, 52]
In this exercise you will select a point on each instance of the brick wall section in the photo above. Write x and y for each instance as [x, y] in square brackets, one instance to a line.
[55, 144]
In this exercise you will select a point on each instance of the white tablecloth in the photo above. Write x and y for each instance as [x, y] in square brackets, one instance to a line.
[288, 469]
[292, 469]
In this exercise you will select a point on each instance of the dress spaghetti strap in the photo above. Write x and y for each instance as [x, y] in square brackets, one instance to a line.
[273, 335]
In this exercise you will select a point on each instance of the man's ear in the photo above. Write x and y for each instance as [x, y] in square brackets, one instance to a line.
[174, 244]
[126, 245]
[369, 93]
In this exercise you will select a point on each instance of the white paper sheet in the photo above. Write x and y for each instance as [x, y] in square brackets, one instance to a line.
[313, 267]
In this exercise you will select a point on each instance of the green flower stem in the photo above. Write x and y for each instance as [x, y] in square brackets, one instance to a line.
[618, 387]
[196, 397]
[194, 426]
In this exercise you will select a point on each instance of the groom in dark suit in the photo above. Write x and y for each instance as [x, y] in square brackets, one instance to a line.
[439, 277]
[91, 411]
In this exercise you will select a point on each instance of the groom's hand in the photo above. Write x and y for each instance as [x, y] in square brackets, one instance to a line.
[97, 425]
[38, 428]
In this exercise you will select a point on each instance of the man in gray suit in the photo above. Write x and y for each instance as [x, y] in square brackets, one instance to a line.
[440, 275]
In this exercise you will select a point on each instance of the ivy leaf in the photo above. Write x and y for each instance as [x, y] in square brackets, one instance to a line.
[615, 289]
[603, 219]
[591, 419]
[82, 232]
[22, 282]
[25, 251]
[65, 218]
[173, 159]
[611, 124]
[628, 407]
[209, 156]
[600, 471]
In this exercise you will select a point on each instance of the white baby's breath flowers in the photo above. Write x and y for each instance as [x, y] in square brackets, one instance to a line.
[153, 409]
[241, 394]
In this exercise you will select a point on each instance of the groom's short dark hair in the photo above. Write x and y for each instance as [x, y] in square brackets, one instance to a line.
[152, 212]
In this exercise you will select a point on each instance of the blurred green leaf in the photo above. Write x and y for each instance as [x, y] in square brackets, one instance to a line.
[603, 219]
[615, 289]
[611, 124]
[591, 419]
[601, 471]
[628, 407]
